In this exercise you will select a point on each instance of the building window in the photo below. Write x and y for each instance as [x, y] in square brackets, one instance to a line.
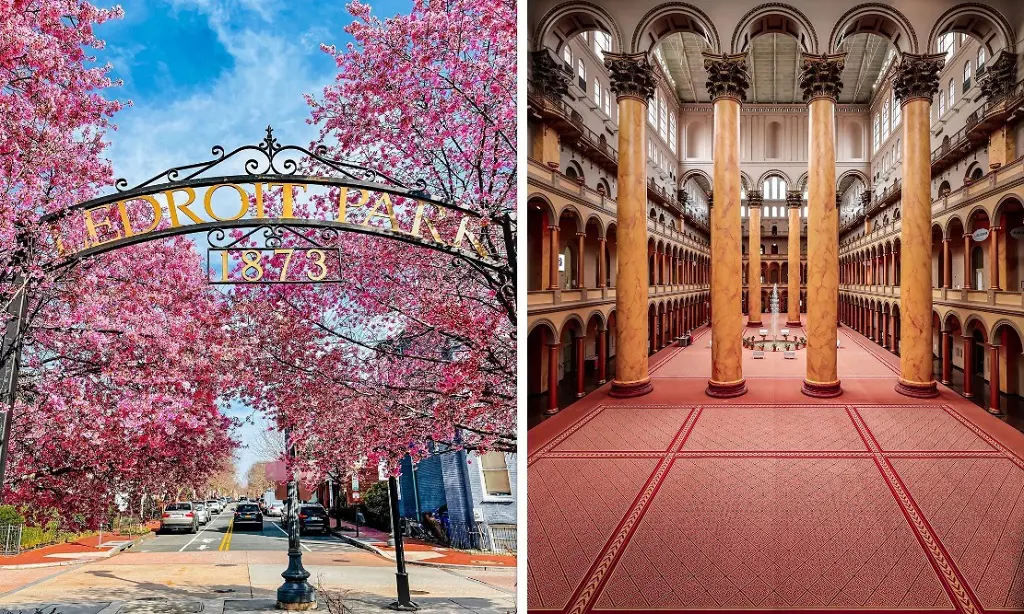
[885, 119]
[602, 43]
[942, 103]
[945, 45]
[567, 56]
[662, 116]
[981, 58]
[672, 132]
[607, 109]
[581, 74]
[876, 136]
[967, 75]
[494, 470]
[597, 92]
[895, 112]
[952, 93]
[652, 112]
[775, 188]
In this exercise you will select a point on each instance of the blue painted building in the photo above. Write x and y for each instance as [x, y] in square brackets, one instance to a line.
[478, 491]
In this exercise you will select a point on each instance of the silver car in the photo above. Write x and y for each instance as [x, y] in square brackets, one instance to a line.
[179, 516]
[214, 506]
[201, 512]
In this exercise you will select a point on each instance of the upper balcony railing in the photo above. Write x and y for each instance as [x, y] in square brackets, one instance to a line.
[979, 124]
[570, 125]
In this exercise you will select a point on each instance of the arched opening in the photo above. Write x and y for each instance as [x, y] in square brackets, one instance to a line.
[611, 257]
[592, 254]
[538, 372]
[1009, 216]
[539, 220]
[938, 256]
[944, 189]
[959, 272]
[1011, 375]
[569, 227]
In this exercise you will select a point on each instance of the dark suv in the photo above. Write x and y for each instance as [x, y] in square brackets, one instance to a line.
[248, 514]
[313, 518]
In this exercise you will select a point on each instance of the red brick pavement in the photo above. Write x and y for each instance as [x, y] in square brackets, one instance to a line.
[871, 502]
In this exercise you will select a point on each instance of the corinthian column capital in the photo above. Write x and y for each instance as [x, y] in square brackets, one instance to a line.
[917, 76]
[549, 74]
[727, 75]
[794, 199]
[755, 199]
[999, 76]
[821, 76]
[631, 75]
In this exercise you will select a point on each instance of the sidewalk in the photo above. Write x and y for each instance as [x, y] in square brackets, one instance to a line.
[90, 547]
[418, 552]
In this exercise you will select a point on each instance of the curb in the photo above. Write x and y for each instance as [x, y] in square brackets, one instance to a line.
[64, 563]
[381, 553]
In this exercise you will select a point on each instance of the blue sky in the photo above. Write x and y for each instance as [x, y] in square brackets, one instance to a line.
[216, 72]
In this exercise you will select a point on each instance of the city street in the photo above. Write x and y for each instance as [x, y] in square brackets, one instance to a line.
[220, 562]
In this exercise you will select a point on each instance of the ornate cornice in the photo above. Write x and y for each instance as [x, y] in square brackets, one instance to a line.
[549, 74]
[727, 75]
[917, 76]
[755, 199]
[999, 76]
[792, 109]
[631, 75]
[821, 76]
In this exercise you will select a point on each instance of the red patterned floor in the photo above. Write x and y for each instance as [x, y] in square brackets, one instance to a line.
[867, 503]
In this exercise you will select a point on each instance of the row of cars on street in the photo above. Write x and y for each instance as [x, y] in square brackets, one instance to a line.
[190, 515]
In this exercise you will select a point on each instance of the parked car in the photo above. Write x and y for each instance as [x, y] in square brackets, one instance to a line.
[248, 514]
[313, 517]
[179, 516]
[276, 509]
[202, 513]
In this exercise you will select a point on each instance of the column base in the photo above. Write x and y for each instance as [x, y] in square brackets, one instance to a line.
[821, 390]
[751, 324]
[995, 412]
[551, 411]
[918, 390]
[580, 395]
[602, 382]
[726, 390]
[628, 390]
[967, 395]
[945, 382]
[792, 323]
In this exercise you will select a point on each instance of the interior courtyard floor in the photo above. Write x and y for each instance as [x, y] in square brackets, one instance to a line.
[868, 502]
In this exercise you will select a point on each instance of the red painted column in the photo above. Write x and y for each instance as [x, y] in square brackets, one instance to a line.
[578, 343]
[947, 265]
[993, 375]
[553, 261]
[947, 357]
[892, 327]
[967, 262]
[968, 366]
[602, 356]
[552, 378]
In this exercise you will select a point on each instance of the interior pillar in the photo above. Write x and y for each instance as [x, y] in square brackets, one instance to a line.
[968, 366]
[633, 82]
[754, 262]
[993, 378]
[552, 378]
[578, 347]
[821, 81]
[602, 264]
[794, 200]
[947, 264]
[947, 357]
[602, 356]
[553, 264]
[727, 83]
[993, 258]
[580, 267]
[916, 81]
[967, 261]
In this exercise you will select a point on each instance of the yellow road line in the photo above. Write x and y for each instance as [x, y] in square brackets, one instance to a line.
[225, 543]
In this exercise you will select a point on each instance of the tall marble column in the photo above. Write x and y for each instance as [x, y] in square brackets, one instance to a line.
[821, 82]
[633, 82]
[794, 201]
[754, 259]
[916, 81]
[727, 83]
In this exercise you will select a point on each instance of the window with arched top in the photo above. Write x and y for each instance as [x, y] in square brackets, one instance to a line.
[885, 119]
[895, 111]
[942, 103]
[967, 75]
[581, 74]
[981, 58]
[773, 140]
[774, 188]
[775, 231]
[567, 56]
[944, 189]
[952, 93]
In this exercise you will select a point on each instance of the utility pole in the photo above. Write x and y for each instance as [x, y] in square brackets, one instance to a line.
[405, 602]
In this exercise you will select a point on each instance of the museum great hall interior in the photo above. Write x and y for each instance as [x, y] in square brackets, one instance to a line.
[775, 273]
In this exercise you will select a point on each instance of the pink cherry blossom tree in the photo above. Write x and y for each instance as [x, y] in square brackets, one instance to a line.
[413, 347]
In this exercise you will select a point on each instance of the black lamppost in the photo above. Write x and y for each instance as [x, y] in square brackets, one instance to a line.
[295, 593]
[405, 601]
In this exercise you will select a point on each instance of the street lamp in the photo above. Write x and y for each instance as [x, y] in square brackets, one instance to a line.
[405, 602]
[295, 593]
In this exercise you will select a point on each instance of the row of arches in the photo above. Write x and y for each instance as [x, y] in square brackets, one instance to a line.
[572, 18]
[773, 273]
[962, 257]
[579, 253]
[568, 361]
